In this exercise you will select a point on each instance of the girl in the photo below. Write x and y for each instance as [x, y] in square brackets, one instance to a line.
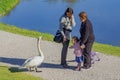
[77, 52]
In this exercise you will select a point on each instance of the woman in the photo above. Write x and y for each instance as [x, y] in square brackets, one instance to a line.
[67, 21]
[87, 38]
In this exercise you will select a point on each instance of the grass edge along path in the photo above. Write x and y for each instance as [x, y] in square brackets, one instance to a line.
[6, 74]
[25, 32]
[107, 49]
[102, 48]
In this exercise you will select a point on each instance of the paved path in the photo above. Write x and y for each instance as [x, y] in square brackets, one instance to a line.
[14, 49]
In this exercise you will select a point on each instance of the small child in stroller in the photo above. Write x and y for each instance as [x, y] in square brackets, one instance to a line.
[94, 57]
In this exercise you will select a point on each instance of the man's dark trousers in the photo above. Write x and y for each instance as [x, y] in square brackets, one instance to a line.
[86, 54]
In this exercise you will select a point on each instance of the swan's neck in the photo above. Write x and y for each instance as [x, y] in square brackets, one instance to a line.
[39, 49]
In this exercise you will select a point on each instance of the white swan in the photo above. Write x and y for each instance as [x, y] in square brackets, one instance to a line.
[35, 61]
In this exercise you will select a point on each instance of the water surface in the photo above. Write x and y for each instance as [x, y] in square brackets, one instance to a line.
[43, 16]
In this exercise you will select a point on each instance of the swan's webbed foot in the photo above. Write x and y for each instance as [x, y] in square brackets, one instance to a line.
[36, 70]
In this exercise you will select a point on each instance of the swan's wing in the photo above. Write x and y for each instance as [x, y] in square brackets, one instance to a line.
[27, 61]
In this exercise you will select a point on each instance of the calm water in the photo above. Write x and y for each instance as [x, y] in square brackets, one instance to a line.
[43, 16]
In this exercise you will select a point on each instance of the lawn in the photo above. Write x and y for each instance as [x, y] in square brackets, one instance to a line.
[7, 73]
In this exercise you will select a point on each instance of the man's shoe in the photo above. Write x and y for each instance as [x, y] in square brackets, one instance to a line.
[84, 67]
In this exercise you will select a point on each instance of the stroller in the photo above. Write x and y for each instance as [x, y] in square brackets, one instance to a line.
[94, 57]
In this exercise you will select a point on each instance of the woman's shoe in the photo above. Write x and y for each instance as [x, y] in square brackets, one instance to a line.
[65, 66]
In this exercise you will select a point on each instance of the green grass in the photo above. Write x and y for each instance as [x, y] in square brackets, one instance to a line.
[103, 48]
[6, 74]
[7, 5]
[107, 49]
[25, 32]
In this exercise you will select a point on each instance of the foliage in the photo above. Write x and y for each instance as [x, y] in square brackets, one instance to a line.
[7, 5]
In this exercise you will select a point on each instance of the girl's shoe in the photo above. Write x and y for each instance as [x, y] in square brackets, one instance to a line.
[77, 69]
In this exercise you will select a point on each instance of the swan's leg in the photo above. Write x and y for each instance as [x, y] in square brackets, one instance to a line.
[36, 68]
[29, 69]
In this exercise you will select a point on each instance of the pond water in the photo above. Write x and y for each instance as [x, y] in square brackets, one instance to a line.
[43, 16]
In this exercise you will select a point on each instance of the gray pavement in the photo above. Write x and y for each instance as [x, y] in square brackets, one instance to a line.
[15, 49]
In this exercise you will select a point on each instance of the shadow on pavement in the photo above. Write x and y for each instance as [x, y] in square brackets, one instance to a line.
[13, 61]
[16, 69]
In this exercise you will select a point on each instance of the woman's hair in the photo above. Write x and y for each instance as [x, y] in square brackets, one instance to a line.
[83, 15]
[69, 9]
[76, 38]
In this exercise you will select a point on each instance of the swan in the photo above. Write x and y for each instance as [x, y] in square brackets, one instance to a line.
[35, 61]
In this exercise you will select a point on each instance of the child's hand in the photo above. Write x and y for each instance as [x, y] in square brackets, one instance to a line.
[82, 46]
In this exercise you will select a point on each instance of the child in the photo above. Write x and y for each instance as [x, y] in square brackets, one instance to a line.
[77, 52]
